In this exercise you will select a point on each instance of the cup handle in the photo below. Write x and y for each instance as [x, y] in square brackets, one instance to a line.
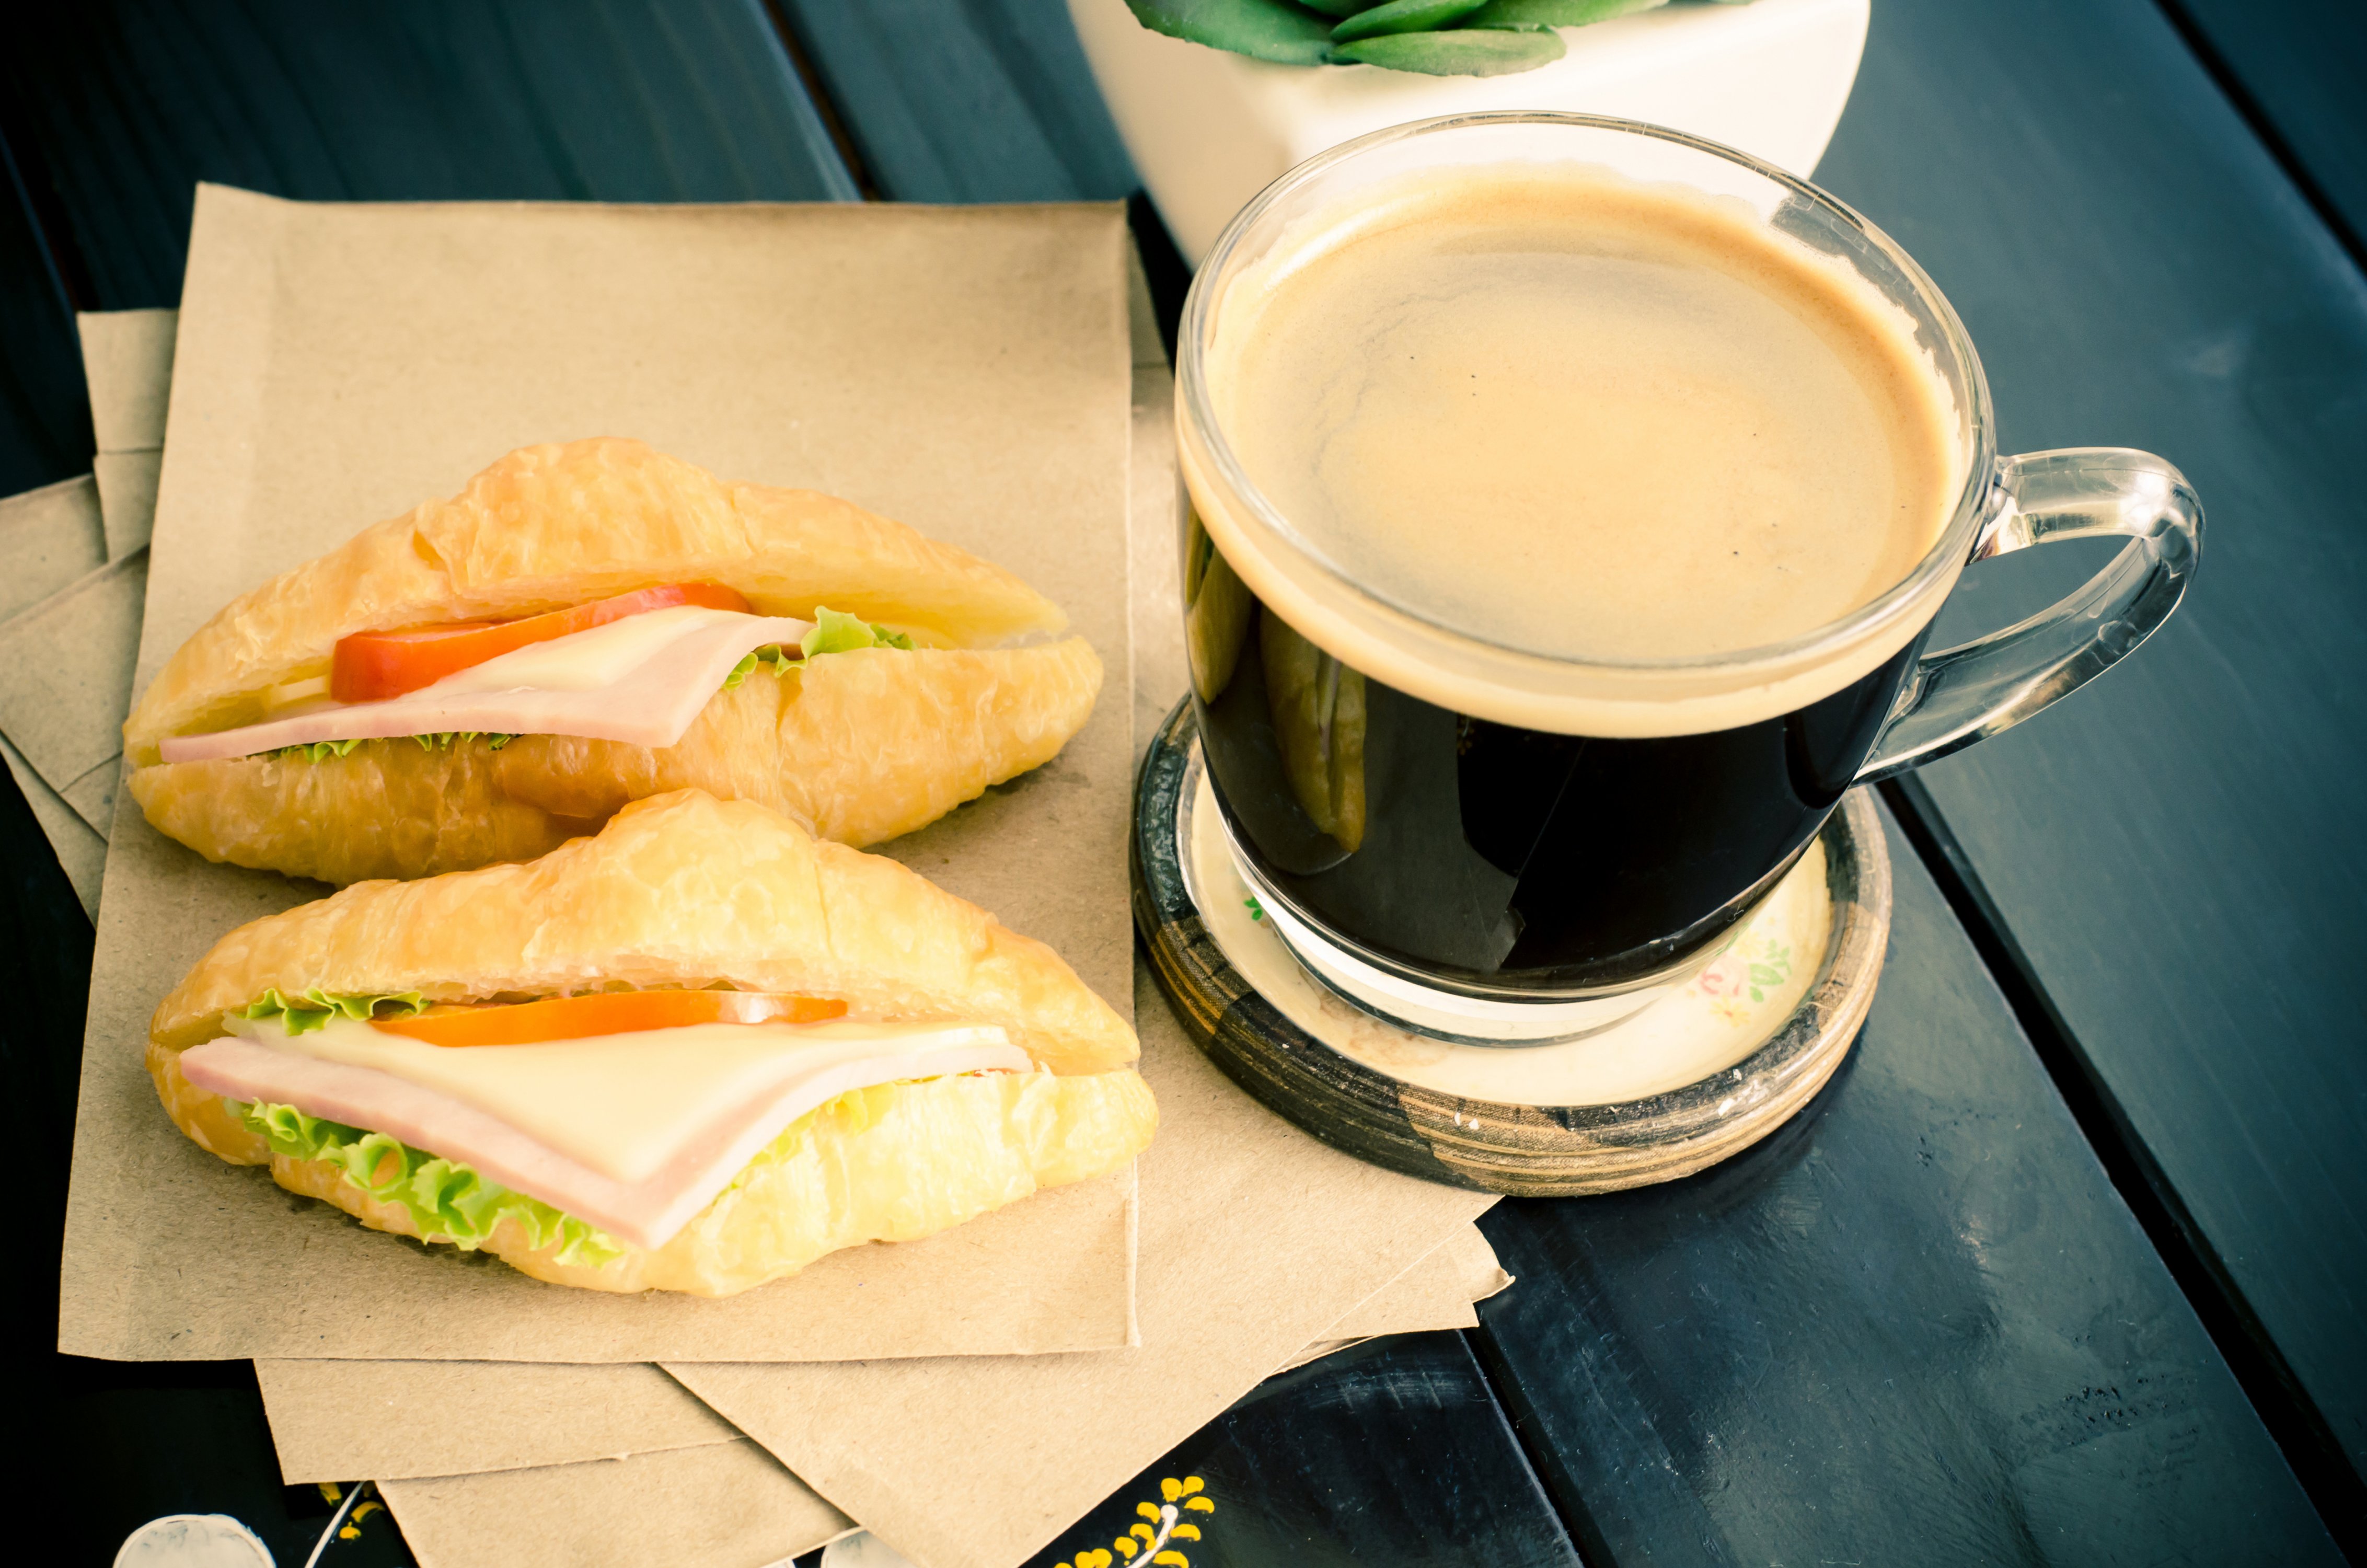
[1959, 694]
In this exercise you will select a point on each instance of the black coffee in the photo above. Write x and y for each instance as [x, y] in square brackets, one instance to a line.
[1461, 850]
[1547, 450]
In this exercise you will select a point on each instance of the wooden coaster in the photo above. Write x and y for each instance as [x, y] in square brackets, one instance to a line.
[1689, 1081]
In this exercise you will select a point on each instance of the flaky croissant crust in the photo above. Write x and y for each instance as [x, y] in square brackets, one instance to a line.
[859, 746]
[551, 525]
[678, 890]
[939, 1152]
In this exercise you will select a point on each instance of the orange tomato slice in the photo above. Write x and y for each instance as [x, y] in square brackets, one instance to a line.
[606, 1012]
[370, 666]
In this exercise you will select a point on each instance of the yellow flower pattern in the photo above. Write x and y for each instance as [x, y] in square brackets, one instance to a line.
[352, 1528]
[1752, 967]
[1156, 1525]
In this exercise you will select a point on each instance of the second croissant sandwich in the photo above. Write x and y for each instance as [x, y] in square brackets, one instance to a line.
[585, 625]
[695, 1052]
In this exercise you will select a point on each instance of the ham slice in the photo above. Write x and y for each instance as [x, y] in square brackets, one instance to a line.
[641, 679]
[817, 1062]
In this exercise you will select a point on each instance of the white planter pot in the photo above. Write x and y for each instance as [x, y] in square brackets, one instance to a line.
[1210, 129]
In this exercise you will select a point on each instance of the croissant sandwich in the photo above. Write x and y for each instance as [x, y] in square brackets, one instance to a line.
[695, 1052]
[584, 625]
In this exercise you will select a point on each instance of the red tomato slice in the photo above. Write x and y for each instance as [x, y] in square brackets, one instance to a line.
[373, 666]
[606, 1012]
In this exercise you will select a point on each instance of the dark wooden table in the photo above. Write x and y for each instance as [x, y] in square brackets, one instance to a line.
[2069, 1264]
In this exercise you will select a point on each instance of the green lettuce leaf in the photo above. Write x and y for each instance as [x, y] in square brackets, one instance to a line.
[836, 634]
[777, 660]
[833, 633]
[320, 750]
[313, 1006]
[446, 1202]
[494, 741]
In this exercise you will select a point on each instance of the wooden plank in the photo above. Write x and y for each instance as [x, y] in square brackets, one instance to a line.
[2177, 854]
[965, 100]
[2295, 66]
[118, 1444]
[1918, 1325]
[136, 1447]
[45, 944]
[979, 100]
[44, 411]
[45, 938]
[1391, 1452]
[122, 107]
[1914, 86]
[131, 103]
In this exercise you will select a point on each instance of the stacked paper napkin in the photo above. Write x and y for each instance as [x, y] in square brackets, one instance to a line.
[1021, 408]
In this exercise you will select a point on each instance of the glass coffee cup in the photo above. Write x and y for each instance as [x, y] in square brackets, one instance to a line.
[1489, 823]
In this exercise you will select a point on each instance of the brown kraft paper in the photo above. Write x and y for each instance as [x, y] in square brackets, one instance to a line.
[62, 702]
[540, 1409]
[460, 1417]
[963, 371]
[724, 1505]
[389, 1420]
[126, 358]
[1255, 1237]
[50, 539]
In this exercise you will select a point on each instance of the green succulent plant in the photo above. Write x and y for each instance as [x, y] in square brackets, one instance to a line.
[1436, 38]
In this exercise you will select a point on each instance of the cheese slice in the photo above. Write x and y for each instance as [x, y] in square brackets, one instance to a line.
[641, 679]
[634, 1133]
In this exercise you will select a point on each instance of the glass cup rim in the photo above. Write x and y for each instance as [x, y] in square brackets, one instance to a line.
[1948, 551]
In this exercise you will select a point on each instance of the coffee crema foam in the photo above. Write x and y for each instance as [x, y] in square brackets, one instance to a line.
[1580, 418]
